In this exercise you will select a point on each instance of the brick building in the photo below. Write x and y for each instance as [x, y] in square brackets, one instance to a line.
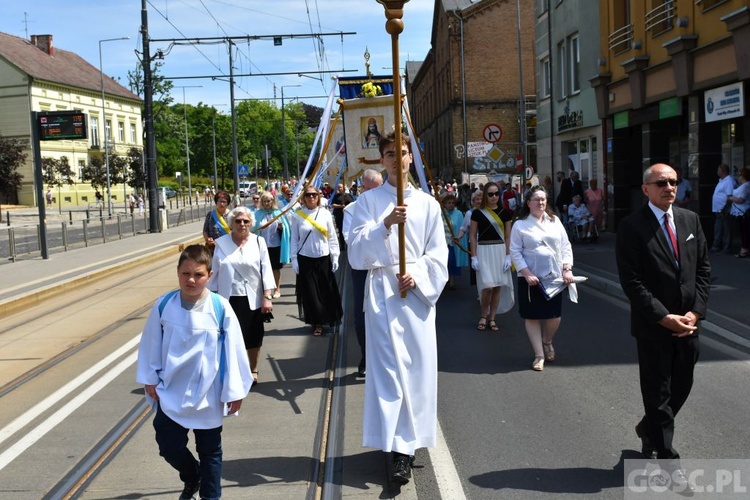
[469, 83]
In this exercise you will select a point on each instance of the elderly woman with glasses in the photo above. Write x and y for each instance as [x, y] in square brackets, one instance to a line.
[489, 235]
[242, 274]
[540, 250]
[215, 224]
[315, 257]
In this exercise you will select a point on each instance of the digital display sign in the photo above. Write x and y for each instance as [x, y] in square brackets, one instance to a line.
[62, 125]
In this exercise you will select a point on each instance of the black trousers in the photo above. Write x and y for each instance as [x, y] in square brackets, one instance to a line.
[666, 366]
[359, 278]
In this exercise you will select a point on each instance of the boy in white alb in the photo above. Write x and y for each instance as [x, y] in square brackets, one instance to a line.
[193, 365]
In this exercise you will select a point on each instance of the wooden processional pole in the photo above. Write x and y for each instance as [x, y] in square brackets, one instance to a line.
[394, 11]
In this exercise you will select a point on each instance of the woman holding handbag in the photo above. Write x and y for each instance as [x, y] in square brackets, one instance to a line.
[315, 257]
[242, 274]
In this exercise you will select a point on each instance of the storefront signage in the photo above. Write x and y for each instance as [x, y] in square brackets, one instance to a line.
[724, 103]
[669, 108]
[570, 119]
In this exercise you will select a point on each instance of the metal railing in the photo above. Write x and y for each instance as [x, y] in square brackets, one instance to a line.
[621, 39]
[661, 18]
[23, 241]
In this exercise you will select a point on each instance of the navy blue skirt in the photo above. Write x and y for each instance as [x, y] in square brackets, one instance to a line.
[532, 304]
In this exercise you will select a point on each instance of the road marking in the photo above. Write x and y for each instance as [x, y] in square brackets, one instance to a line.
[39, 431]
[448, 482]
[58, 395]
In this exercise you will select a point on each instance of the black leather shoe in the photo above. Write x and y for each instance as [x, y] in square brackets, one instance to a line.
[190, 490]
[361, 372]
[401, 468]
[647, 448]
[680, 483]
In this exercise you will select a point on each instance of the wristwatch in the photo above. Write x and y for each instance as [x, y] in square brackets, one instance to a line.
[268, 297]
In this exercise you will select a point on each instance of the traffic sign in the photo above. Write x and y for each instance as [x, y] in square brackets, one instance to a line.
[529, 172]
[243, 170]
[492, 132]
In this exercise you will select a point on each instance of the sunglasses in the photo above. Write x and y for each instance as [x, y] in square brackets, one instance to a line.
[256, 199]
[311, 195]
[493, 193]
[661, 184]
[242, 221]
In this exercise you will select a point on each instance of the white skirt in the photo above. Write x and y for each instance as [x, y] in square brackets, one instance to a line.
[490, 275]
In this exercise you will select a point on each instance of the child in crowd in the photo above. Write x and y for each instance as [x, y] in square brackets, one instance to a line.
[193, 364]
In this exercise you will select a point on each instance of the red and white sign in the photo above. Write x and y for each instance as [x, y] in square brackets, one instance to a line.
[492, 133]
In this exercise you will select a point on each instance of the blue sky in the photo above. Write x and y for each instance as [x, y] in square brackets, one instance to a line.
[78, 25]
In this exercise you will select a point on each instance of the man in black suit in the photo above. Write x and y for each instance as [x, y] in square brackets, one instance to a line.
[662, 259]
[565, 196]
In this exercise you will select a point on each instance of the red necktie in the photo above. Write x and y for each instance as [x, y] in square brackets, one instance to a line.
[672, 237]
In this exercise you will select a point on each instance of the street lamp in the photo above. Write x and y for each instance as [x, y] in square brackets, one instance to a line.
[187, 142]
[283, 129]
[104, 121]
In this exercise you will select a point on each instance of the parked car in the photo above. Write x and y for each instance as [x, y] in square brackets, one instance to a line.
[168, 192]
[246, 188]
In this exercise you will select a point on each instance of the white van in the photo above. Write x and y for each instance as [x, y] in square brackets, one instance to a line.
[246, 188]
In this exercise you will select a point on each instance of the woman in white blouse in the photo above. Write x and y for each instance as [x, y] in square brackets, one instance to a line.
[540, 250]
[315, 257]
[242, 274]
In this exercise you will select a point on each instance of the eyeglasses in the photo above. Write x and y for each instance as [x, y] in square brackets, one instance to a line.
[256, 199]
[242, 221]
[311, 195]
[661, 184]
[493, 193]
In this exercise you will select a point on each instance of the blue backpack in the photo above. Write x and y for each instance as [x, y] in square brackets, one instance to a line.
[219, 311]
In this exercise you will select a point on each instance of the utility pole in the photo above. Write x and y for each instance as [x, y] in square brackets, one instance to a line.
[150, 146]
[235, 156]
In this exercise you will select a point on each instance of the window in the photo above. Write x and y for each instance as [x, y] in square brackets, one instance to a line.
[132, 134]
[661, 16]
[81, 166]
[621, 38]
[561, 69]
[108, 129]
[575, 63]
[546, 78]
[94, 130]
[121, 132]
[710, 4]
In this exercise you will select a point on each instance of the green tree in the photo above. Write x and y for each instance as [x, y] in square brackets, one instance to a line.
[136, 175]
[12, 156]
[95, 172]
[57, 172]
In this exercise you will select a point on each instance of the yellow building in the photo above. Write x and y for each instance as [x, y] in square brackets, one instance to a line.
[36, 76]
[671, 88]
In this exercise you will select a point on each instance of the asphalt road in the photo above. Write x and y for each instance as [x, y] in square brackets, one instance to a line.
[565, 432]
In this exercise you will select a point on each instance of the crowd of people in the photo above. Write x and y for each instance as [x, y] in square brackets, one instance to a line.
[502, 232]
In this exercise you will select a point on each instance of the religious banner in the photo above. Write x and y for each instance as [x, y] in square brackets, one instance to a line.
[365, 120]
[335, 155]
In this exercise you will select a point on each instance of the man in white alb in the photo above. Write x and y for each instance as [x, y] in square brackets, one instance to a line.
[400, 413]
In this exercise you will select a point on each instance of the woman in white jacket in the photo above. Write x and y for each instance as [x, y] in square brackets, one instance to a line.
[242, 274]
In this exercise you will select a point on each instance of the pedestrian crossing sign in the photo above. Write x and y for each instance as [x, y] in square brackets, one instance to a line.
[242, 170]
